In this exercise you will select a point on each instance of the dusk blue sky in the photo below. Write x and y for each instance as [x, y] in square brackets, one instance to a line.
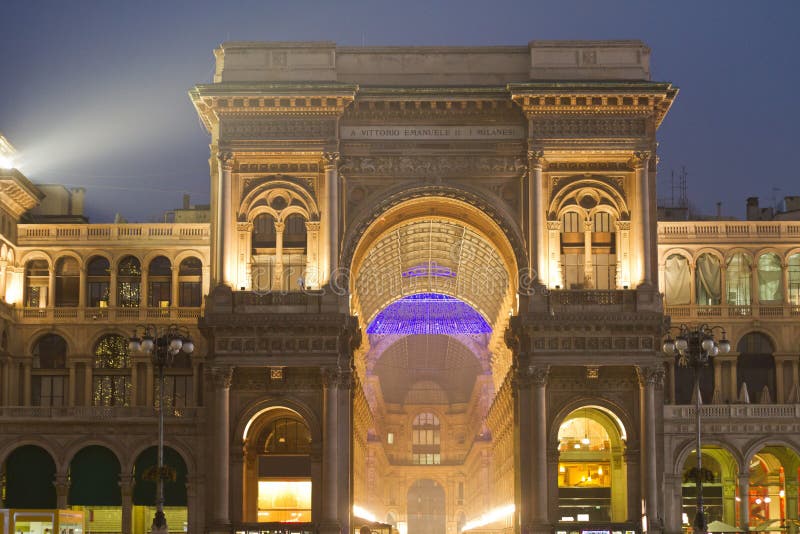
[94, 93]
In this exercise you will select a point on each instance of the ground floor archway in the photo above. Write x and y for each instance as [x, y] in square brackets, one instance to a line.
[426, 508]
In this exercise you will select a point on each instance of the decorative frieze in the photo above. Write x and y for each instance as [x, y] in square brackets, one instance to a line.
[276, 129]
[432, 165]
[562, 127]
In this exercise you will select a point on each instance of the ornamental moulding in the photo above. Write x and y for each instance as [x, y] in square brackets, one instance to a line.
[427, 165]
[257, 129]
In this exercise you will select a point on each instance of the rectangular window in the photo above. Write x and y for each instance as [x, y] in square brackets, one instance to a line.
[159, 294]
[190, 294]
[390, 438]
[96, 292]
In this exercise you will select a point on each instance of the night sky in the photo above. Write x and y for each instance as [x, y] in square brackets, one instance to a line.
[94, 93]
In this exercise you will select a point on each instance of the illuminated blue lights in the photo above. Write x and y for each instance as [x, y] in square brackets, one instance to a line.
[429, 269]
[429, 313]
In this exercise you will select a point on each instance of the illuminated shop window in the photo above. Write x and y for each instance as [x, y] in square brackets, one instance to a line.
[284, 473]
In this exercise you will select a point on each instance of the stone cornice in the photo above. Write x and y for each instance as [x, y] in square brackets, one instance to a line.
[18, 193]
[593, 98]
[258, 99]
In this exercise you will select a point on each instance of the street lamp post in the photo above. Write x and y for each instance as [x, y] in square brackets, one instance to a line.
[162, 345]
[695, 346]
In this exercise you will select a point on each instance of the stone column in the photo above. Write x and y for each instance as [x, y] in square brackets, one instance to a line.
[790, 487]
[330, 481]
[277, 276]
[717, 381]
[51, 288]
[126, 483]
[226, 250]
[26, 383]
[588, 268]
[673, 486]
[623, 254]
[554, 276]
[536, 216]
[112, 287]
[641, 163]
[82, 283]
[312, 255]
[222, 387]
[540, 504]
[62, 490]
[4, 277]
[331, 162]
[144, 289]
[237, 486]
[650, 378]
[88, 400]
[71, 384]
[174, 287]
[744, 502]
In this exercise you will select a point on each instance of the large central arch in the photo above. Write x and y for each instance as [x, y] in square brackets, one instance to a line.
[442, 259]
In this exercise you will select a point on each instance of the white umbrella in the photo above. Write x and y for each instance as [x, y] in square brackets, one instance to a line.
[744, 396]
[719, 526]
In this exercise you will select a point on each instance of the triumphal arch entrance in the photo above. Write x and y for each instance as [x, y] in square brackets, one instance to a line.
[435, 303]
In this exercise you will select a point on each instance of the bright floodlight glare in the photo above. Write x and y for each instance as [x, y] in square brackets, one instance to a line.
[6, 162]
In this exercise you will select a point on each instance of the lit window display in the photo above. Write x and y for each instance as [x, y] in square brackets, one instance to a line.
[285, 501]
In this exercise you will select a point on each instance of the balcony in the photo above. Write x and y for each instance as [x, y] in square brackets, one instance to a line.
[695, 312]
[719, 231]
[43, 234]
[733, 423]
[95, 413]
[71, 315]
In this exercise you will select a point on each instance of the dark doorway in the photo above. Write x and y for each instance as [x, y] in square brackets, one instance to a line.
[426, 514]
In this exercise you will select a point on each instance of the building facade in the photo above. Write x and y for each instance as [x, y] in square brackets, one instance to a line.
[432, 293]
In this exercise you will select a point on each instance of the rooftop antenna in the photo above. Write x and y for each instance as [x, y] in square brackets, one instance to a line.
[363, 39]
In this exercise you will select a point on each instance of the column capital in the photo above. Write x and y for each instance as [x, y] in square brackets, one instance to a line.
[62, 484]
[554, 225]
[312, 226]
[222, 376]
[535, 158]
[623, 225]
[650, 376]
[280, 226]
[225, 160]
[639, 158]
[330, 159]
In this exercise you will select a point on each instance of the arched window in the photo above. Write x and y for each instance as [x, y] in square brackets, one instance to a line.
[288, 436]
[49, 375]
[708, 280]
[425, 440]
[129, 282]
[572, 250]
[37, 280]
[68, 282]
[97, 282]
[604, 246]
[677, 281]
[112, 379]
[756, 367]
[263, 231]
[159, 283]
[294, 231]
[770, 278]
[794, 279]
[738, 280]
[190, 283]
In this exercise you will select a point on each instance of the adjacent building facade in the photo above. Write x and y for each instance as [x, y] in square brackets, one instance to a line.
[432, 293]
